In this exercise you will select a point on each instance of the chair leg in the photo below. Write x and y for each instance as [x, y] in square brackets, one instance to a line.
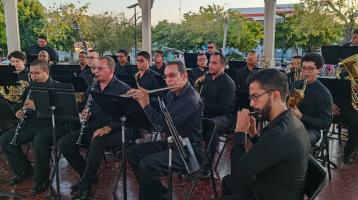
[119, 175]
[221, 152]
[213, 179]
[328, 164]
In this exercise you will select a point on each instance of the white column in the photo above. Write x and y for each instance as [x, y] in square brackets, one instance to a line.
[269, 30]
[146, 6]
[12, 25]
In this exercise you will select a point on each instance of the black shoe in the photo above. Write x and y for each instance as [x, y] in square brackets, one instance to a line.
[347, 159]
[20, 178]
[37, 188]
[82, 195]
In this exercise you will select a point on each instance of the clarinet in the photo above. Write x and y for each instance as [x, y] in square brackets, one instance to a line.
[14, 140]
[88, 107]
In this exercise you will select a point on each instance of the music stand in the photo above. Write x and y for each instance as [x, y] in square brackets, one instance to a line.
[65, 70]
[128, 112]
[236, 64]
[340, 89]
[7, 114]
[8, 75]
[130, 80]
[334, 54]
[31, 57]
[55, 100]
[190, 60]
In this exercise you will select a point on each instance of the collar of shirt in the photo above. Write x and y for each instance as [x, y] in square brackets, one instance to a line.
[221, 76]
[182, 92]
[282, 115]
[110, 84]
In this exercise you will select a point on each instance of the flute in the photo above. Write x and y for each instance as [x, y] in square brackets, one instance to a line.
[151, 91]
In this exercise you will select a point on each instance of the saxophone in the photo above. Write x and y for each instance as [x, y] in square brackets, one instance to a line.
[13, 93]
[198, 84]
[14, 140]
[296, 95]
[350, 64]
[88, 108]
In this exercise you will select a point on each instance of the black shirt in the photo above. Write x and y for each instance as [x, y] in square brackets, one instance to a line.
[125, 70]
[218, 95]
[160, 70]
[99, 118]
[22, 76]
[242, 87]
[316, 105]
[197, 72]
[278, 159]
[35, 49]
[87, 75]
[150, 80]
[186, 111]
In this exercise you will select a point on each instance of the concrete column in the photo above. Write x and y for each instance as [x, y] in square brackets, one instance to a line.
[269, 31]
[12, 25]
[146, 6]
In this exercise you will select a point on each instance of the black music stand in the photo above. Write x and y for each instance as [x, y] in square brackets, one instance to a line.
[335, 54]
[8, 75]
[31, 57]
[130, 80]
[128, 112]
[340, 90]
[236, 64]
[64, 70]
[55, 100]
[7, 114]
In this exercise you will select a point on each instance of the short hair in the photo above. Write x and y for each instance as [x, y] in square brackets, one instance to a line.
[40, 64]
[42, 36]
[201, 54]
[44, 51]
[355, 31]
[124, 52]
[83, 52]
[18, 55]
[270, 80]
[160, 52]
[211, 42]
[145, 54]
[222, 57]
[252, 52]
[314, 57]
[297, 57]
[110, 61]
[179, 64]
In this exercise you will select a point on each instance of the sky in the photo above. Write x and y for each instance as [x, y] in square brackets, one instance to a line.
[171, 10]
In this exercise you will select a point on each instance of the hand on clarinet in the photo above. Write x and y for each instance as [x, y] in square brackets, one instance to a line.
[243, 121]
[29, 105]
[20, 114]
[85, 114]
[335, 109]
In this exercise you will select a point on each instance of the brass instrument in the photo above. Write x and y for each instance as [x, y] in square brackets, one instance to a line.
[14, 140]
[151, 91]
[264, 62]
[350, 64]
[296, 95]
[297, 74]
[88, 108]
[198, 84]
[79, 97]
[13, 93]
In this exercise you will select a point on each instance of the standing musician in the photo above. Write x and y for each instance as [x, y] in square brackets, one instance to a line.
[159, 64]
[101, 133]
[149, 161]
[15, 94]
[86, 72]
[42, 44]
[146, 77]
[275, 167]
[242, 87]
[315, 109]
[35, 130]
[218, 95]
[201, 66]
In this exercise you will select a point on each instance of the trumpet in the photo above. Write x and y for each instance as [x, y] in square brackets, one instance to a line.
[14, 140]
[151, 91]
[88, 108]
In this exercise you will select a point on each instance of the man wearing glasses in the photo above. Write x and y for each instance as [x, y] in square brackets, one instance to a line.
[275, 166]
[124, 68]
[201, 67]
[147, 78]
[159, 64]
[93, 56]
[149, 161]
[315, 109]
[101, 133]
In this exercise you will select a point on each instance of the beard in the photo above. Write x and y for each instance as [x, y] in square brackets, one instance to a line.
[264, 113]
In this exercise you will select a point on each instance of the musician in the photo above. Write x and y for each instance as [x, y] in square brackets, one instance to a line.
[85, 72]
[43, 55]
[149, 161]
[211, 48]
[354, 40]
[218, 95]
[159, 64]
[315, 109]
[275, 167]
[202, 66]
[328, 70]
[102, 132]
[146, 77]
[35, 130]
[295, 71]
[242, 87]
[93, 57]
[42, 44]
[124, 68]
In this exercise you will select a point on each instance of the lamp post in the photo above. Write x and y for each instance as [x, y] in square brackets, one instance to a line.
[135, 26]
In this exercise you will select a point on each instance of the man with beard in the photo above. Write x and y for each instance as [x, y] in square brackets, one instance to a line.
[275, 167]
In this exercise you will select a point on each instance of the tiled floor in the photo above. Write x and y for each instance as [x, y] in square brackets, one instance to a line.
[344, 184]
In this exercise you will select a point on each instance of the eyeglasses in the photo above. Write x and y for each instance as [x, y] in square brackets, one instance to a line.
[92, 57]
[140, 60]
[256, 97]
[308, 69]
[121, 56]
[170, 75]
[100, 68]
[210, 47]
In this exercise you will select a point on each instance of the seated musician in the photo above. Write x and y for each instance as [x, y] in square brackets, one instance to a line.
[275, 167]
[124, 68]
[35, 130]
[201, 66]
[315, 109]
[101, 133]
[93, 57]
[43, 55]
[85, 72]
[149, 161]
[218, 95]
[146, 77]
[159, 64]
[294, 72]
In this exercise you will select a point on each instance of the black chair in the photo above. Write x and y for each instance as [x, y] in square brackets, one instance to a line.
[316, 178]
